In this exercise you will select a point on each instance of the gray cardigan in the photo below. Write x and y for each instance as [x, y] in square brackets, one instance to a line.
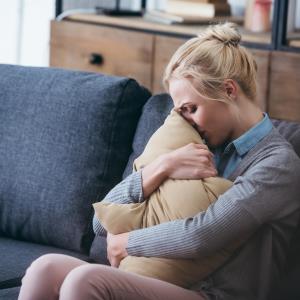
[263, 202]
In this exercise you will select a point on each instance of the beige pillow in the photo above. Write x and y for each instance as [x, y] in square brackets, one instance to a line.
[174, 199]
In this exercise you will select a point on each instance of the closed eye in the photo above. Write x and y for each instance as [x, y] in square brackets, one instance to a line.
[193, 109]
[187, 109]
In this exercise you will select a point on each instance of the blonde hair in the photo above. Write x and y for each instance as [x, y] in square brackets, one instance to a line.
[212, 57]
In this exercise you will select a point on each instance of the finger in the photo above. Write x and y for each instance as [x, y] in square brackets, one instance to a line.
[204, 161]
[211, 159]
[113, 264]
[211, 164]
[109, 259]
[206, 164]
[201, 146]
[205, 152]
[212, 172]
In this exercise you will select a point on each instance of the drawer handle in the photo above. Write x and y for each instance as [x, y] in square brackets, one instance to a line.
[96, 59]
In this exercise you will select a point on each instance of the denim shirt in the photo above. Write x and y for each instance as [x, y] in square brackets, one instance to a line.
[228, 159]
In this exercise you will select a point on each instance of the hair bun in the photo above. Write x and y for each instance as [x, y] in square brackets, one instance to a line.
[226, 33]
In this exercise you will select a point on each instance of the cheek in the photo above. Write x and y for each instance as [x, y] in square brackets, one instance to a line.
[219, 126]
[203, 118]
[214, 118]
[224, 122]
[210, 118]
[224, 126]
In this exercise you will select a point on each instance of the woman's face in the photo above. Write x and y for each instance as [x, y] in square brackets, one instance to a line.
[212, 119]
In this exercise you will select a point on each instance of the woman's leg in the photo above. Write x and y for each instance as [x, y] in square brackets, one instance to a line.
[99, 282]
[45, 275]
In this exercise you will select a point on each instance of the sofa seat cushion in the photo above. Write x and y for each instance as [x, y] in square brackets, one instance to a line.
[16, 256]
[65, 139]
[10, 294]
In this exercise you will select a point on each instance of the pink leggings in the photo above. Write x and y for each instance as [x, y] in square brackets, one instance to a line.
[57, 276]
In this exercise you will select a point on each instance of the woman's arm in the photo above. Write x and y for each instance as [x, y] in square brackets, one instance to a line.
[266, 192]
[127, 191]
[193, 161]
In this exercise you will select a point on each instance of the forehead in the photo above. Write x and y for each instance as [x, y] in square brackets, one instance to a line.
[183, 92]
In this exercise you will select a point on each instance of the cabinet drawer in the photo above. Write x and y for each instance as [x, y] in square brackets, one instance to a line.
[284, 86]
[101, 49]
[262, 58]
[163, 51]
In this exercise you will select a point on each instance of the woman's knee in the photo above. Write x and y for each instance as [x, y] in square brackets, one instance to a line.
[40, 280]
[80, 277]
[84, 282]
[44, 268]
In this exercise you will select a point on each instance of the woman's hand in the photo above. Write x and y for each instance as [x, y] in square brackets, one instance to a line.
[116, 248]
[193, 161]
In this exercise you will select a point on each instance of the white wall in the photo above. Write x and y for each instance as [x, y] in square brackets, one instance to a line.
[36, 32]
[8, 30]
[297, 18]
[25, 31]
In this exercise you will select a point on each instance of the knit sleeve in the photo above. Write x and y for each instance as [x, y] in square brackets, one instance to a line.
[127, 191]
[266, 192]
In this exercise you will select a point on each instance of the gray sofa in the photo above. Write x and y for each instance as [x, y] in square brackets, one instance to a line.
[66, 139]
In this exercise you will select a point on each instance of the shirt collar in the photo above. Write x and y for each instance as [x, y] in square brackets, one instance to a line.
[250, 138]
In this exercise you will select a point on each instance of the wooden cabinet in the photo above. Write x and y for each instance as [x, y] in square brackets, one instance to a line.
[101, 49]
[163, 51]
[262, 59]
[142, 53]
[284, 99]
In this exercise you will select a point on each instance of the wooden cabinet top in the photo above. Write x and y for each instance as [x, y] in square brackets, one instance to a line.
[140, 24]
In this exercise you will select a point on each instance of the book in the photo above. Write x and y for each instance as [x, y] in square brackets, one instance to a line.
[204, 1]
[192, 8]
[162, 17]
[166, 18]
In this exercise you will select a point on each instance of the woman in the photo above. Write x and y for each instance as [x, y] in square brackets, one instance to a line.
[212, 81]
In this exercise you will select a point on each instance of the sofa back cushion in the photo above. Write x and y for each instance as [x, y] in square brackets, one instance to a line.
[64, 143]
[153, 116]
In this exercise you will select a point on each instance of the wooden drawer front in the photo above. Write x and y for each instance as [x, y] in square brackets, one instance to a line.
[284, 100]
[125, 53]
[262, 59]
[163, 51]
[166, 46]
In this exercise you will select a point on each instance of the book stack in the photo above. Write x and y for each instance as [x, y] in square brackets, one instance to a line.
[189, 11]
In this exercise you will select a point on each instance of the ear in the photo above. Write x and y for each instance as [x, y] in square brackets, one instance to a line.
[231, 88]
